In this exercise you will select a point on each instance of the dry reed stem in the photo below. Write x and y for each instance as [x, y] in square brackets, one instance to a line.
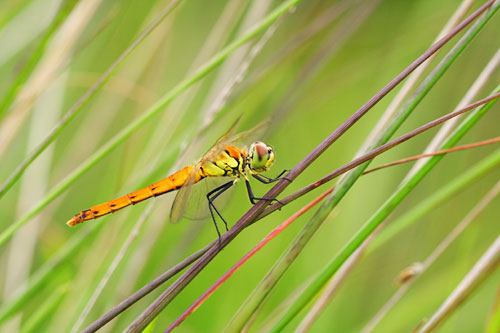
[445, 243]
[64, 41]
[484, 267]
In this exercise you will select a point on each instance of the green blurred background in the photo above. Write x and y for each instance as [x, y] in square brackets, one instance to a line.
[312, 83]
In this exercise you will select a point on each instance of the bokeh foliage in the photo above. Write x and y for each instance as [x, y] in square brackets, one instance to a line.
[390, 37]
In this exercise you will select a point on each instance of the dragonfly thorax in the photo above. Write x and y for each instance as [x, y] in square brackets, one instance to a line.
[233, 162]
[260, 157]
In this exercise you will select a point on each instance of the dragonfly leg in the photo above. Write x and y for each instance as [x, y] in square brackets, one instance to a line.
[211, 196]
[253, 198]
[215, 223]
[268, 180]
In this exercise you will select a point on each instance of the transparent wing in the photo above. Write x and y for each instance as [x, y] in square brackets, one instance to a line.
[182, 196]
[257, 133]
[196, 207]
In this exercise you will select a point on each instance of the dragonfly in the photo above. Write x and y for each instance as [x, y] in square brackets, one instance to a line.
[228, 158]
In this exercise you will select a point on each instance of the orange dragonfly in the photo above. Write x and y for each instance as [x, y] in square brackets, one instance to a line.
[224, 159]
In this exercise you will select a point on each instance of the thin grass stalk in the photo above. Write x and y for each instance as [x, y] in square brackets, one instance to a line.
[270, 236]
[46, 71]
[380, 215]
[435, 254]
[149, 314]
[64, 9]
[221, 99]
[485, 75]
[493, 322]
[483, 268]
[446, 192]
[76, 108]
[440, 152]
[409, 84]
[146, 116]
[265, 286]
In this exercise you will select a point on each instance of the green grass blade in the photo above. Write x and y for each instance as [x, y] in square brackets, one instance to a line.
[444, 193]
[44, 274]
[76, 108]
[64, 10]
[148, 115]
[493, 322]
[259, 294]
[379, 216]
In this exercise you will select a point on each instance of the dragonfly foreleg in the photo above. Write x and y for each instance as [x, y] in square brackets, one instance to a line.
[211, 197]
[253, 198]
[268, 180]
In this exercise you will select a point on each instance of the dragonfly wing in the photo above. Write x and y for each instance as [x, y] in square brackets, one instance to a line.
[196, 207]
[257, 133]
[183, 194]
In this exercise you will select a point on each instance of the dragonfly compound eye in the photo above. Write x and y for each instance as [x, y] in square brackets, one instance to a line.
[261, 156]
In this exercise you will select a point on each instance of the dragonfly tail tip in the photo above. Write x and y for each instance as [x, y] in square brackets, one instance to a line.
[71, 223]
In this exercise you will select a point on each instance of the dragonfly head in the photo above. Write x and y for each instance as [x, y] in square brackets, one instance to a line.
[260, 157]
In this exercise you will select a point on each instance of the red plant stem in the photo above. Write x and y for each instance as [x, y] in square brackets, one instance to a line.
[276, 231]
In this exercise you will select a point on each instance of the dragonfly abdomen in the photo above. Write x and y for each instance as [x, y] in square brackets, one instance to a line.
[171, 183]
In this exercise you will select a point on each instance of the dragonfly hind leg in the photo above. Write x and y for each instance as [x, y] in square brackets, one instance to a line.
[254, 199]
[211, 196]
